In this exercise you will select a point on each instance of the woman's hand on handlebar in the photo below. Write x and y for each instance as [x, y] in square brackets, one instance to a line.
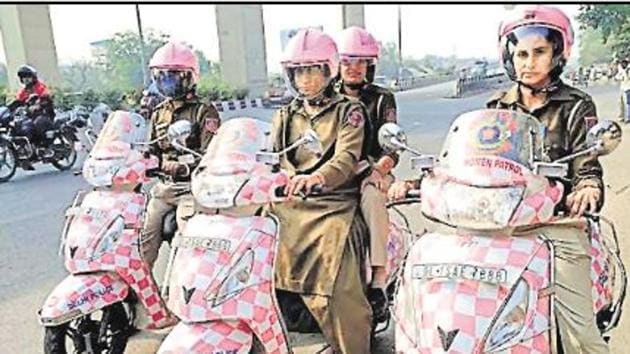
[399, 190]
[305, 183]
[583, 200]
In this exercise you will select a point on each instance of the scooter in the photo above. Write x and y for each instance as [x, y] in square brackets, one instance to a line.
[219, 278]
[479, 288]
[94, 305]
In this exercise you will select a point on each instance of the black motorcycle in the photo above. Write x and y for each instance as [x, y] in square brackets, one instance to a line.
[17, 149]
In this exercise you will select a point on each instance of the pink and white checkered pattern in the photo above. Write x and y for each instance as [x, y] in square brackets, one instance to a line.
[84, 292]
[538, 204]
[465, 305]
[210, 337]
[98, 210]
[260, 188]
[203, 272]
[397, 246]
[130, 169]
[602, 274]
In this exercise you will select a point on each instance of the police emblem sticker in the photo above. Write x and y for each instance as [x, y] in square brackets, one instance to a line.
[492, 136]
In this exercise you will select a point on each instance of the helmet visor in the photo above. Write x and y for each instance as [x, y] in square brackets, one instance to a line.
[520, 33]
[292, 73]
[172, 83]
[347, 61]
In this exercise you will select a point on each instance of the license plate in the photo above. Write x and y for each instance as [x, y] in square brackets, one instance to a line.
[459, 271]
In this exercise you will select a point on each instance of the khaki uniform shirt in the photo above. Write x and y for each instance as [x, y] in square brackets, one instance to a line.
[568, 114]
[381, 108]
[204, 118]
[314, 231]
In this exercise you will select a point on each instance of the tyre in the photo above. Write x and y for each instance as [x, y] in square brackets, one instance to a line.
[8, 161]
[65, 154]
[107, 335]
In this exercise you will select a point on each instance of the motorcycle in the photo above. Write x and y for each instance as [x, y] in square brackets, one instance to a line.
[478, 289]
[15, 147]
[94, 306]
[219, 278]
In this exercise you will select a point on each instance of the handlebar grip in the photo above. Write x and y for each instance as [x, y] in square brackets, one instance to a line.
[317, 189]
[413, 193]
[153, 172]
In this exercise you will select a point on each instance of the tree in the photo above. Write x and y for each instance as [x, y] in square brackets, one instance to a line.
[592, 48]
[388, 62]
[82, 75]
[123, 59]
[614, 23]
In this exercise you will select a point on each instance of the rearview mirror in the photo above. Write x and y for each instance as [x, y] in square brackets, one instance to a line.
[604, 136]
[391, 137]
[179, 131]
[312, 142]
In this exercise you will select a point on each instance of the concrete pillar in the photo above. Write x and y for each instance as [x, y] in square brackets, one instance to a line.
[352, 15]
[28, 38]
[242, 46]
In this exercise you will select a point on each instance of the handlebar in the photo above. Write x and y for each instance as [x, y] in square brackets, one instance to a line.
[411, 197]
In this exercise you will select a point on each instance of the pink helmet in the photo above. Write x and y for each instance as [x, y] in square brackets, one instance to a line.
[175, 69]
[356, 42]
[175, 56]
[309, 47]
[536, 16]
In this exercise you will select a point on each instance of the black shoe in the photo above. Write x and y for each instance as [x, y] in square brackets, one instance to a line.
[26, 165]
[378, 300]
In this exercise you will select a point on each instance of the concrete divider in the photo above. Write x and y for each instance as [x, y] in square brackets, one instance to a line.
[409, 83]
[470, 85]
[234, 105]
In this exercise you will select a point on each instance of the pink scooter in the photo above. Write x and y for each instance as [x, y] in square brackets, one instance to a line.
[219, 279]
[100, 243]
[478, 289]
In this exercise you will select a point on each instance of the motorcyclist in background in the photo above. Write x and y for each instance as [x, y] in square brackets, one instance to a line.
[40, 110]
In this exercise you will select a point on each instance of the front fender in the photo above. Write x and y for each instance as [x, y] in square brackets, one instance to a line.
[216, 337]
[79, 295]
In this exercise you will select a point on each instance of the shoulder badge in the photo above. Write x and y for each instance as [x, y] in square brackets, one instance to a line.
[355, 117]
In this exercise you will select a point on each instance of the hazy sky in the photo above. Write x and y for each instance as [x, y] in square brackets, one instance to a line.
[464, 30]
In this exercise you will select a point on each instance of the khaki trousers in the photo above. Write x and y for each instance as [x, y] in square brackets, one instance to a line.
[376, 217]
[573, 286]
[164, 197]
[345, 318]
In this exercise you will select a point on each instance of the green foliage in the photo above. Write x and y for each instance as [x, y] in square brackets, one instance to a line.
[116, 77]
[122, 58]
[613, 20]
[388, 64]
[593, 50]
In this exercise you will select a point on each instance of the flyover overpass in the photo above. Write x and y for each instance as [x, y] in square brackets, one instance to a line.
[28, 38]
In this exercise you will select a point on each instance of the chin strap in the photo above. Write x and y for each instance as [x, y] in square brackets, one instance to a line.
[355, 86]
[549, 88]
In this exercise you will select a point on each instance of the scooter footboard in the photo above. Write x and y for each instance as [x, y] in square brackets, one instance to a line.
[79, 295]
[225, 337]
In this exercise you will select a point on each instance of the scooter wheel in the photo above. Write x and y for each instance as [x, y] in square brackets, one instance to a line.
[115, 325]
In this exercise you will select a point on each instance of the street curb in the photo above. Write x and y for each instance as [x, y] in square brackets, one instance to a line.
[234, 105]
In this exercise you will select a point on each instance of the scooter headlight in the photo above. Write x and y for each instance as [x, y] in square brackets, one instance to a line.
[480, 208]
[236, 281]
[510, 324]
